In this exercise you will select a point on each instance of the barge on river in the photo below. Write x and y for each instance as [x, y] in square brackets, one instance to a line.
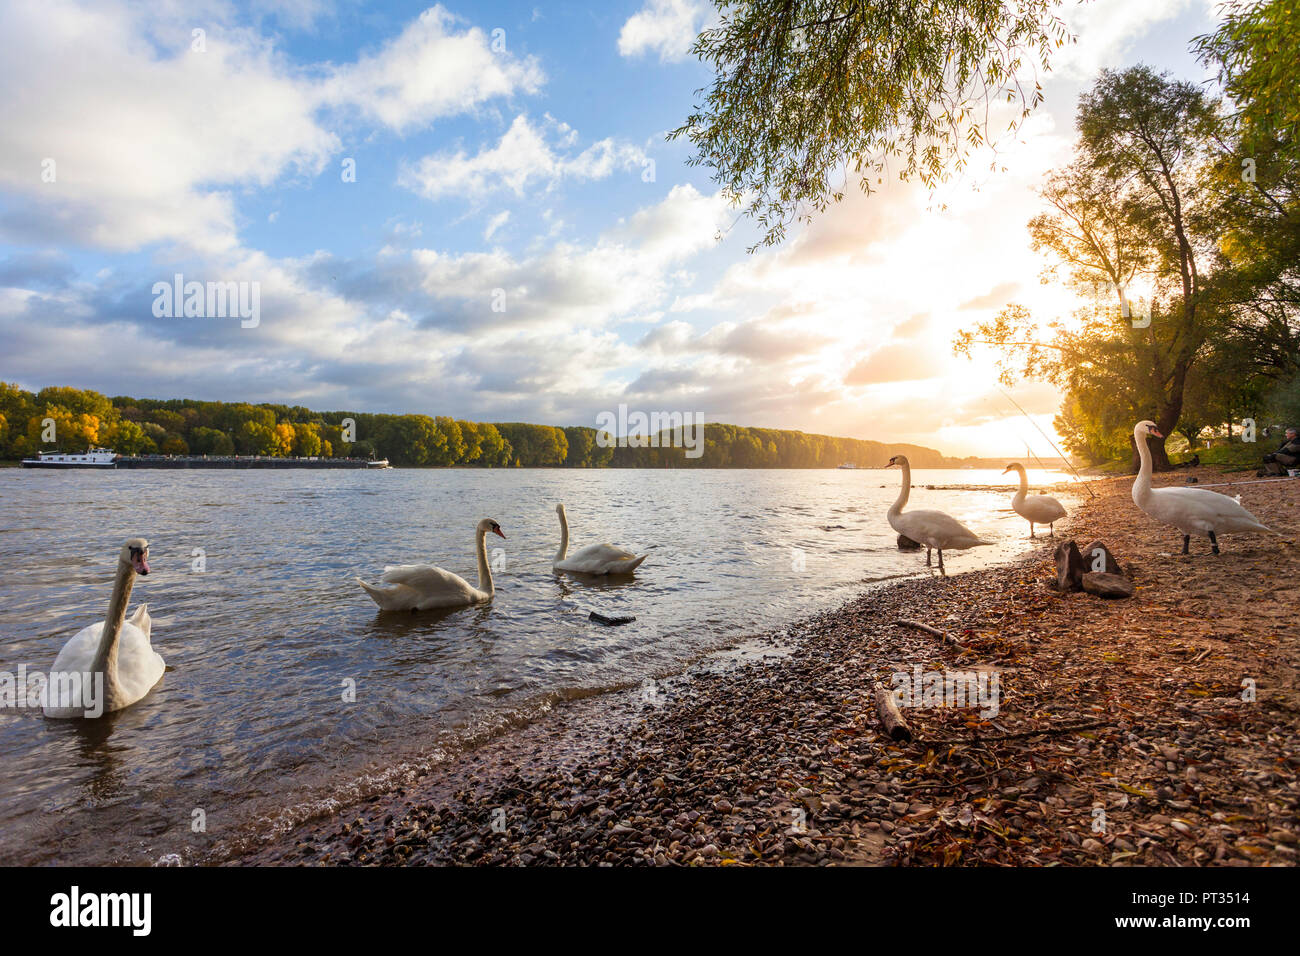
[105, 458]
[93, 458]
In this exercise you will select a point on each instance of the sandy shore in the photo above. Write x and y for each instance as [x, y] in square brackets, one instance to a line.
[778, 758]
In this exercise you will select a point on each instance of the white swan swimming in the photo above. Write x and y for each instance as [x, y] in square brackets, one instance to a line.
[1040, 509]
[934, 529]
[115, 648]
[594, 558]
[423, 587]
[1190, 510]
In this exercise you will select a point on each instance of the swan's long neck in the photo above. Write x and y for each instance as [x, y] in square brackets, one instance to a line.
[105, 661]
[1024, 483]
[906, 490]
[484, 569]
[1142, 486]
[564, 535]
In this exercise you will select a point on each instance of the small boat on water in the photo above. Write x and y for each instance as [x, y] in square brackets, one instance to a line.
[93, 458]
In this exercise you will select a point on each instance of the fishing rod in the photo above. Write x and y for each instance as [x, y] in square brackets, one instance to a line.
[1068, 464]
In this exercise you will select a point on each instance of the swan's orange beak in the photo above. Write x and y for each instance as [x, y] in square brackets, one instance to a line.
[498, 531]
[140, 561]
[1156, 432]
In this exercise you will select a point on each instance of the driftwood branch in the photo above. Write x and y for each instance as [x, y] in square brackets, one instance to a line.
[891, 718]
[932, 631]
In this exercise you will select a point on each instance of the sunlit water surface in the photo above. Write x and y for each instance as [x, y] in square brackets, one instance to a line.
[263, 644]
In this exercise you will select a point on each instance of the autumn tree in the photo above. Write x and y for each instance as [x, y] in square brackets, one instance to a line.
[494, 449]
[255, 438]
[1134, 205]
[129, 438]
[581, 442]
[210, 441]
[282, 440]
[306, 440]
[1257, 180]
[453, 441]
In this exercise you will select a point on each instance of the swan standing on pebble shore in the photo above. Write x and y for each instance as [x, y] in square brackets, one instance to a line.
[934, 529]
[1041, 509]
[1190, 510]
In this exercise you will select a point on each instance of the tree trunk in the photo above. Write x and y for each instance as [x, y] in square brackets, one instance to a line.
[1167, 418]
[1159, 457]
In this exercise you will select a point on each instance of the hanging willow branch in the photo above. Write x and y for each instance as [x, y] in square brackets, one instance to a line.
[813, 94]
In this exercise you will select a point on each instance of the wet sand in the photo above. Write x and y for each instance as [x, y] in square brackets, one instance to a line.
[1121, 737]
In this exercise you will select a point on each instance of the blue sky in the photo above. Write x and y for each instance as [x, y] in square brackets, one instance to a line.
[504, 153]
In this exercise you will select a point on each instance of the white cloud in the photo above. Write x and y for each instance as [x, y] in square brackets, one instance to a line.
[137, 136]
[406, 328]
[403, 330]
[495, 223]
[893, 362]
[1105, 30]
[618, 278]
[869, 295]
[430, 71]
[665, 27]
[150, 137]
[685, 222]
[521, 159]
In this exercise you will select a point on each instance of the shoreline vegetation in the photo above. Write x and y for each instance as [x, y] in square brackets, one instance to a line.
[1157, 730]
[74, 419]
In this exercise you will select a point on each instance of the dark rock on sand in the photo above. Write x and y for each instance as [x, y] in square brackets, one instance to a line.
[1097, 557]
[1107, 585]
[1069, 567]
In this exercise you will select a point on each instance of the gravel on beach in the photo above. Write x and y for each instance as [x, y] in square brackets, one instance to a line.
[1155, 730]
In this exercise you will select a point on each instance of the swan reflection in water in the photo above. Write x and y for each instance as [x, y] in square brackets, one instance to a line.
[591, 582]
[405, 624]
[89, 745]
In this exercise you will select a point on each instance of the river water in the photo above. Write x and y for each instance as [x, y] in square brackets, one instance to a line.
[267, 643]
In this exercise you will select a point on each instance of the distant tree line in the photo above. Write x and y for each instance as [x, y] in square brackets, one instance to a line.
[76, 419]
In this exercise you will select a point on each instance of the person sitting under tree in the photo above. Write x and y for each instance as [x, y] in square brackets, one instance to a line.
[1287, 456]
